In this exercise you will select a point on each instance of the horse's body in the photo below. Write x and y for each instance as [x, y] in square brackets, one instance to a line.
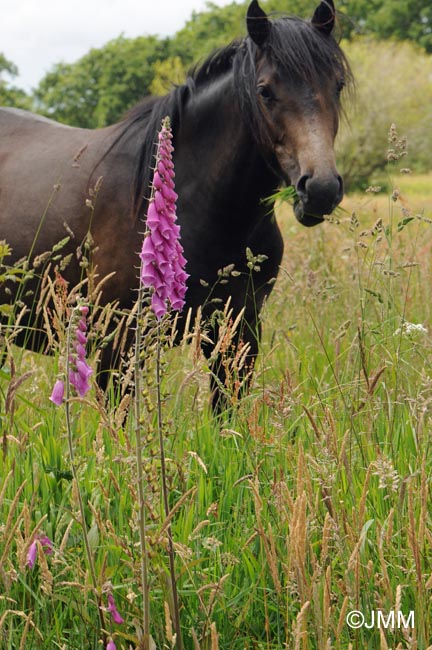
[46, 171]
[244, 122]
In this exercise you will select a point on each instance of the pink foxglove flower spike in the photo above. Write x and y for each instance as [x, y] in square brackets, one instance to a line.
[163, 263]
[79, 370]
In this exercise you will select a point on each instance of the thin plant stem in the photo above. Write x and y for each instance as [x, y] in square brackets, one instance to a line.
[88, 550]
[179, 641]
[140, 477]
[139, 454]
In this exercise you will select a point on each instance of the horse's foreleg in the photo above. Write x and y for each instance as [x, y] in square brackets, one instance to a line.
[114, 368]
[233, 364]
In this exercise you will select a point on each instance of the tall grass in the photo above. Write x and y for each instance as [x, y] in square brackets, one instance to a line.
[310, 500]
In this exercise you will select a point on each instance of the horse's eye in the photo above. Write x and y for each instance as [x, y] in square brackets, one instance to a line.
[265, 93]
[340, 86]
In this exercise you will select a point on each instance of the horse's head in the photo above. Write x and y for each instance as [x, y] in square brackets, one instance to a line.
[298, 73]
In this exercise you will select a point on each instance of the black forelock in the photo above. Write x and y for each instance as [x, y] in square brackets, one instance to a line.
[303, 51]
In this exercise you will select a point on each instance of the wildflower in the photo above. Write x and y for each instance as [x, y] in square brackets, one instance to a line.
[163, 263]
[388, 477]
[113, 610]
[409, 329]
[111, 645]
[57, 394]
[32, 554]
[46, 544]
[211, 543]
[79, 370]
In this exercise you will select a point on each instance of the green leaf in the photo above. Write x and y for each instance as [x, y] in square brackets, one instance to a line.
[376, 295]
[403, 222]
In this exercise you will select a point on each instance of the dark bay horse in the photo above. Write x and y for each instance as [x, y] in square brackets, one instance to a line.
[259, 113]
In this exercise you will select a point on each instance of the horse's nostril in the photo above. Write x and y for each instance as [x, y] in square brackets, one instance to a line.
[341, 186]
[301, 185]
[320, 194]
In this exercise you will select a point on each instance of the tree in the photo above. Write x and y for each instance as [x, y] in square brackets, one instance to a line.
[103, 84]
[216, 26]
[207, 30]
[393, 86]
[397, 19]
[166, 73]
[11, 95]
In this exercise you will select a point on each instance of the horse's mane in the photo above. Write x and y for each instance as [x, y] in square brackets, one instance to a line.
[294, 45]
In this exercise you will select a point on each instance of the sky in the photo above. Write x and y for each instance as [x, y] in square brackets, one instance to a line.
[36, 34]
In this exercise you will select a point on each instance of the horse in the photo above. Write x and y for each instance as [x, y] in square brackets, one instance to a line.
[256, 114]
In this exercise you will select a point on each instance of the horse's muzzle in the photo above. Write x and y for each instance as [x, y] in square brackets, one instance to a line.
[317, 196]
[304, 218]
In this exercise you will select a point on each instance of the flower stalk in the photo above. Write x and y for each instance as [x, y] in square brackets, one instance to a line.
[140, 475]
[163, 272]
[176, 609]
[77, 376]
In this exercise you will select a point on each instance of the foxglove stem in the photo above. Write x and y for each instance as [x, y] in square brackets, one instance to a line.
[140, 473]
[179, 640]
[69, 342]
[163, 271]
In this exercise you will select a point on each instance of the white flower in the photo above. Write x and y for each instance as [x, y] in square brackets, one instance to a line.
[410, 329]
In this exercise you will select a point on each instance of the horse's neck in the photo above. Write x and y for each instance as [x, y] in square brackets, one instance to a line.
[218, 153]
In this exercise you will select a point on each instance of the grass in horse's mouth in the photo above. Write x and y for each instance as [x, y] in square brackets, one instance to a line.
[284, 194]
[288, 194]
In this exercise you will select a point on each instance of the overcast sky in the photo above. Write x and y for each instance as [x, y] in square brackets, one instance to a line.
[35, 34]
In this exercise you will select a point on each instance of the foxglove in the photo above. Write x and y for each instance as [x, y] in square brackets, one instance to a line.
[113, 610]
[79, 370]
[162, 260]
[57, 394]
[46, 544]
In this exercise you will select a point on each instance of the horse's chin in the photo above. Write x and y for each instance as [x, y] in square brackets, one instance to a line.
[304, 218]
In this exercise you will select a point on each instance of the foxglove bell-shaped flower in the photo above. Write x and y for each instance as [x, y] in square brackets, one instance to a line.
[57, 394]
[162, 260]
[46, 544]
[32, 555]
[113, 610]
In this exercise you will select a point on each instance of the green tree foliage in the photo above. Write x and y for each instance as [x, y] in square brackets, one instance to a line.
[393, 86]
[166, 73]
[207, 30]
[11, 95]
[216, 26]
[103, 84]
[397, 19]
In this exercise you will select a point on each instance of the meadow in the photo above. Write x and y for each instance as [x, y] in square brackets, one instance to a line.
[309, 500]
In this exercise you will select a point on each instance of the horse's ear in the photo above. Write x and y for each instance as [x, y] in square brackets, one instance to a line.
[324, 16]
[258, 25]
